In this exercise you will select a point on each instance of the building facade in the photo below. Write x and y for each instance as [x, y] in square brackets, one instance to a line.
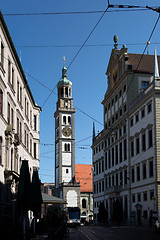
[125, 153]
[19, 122]
[84, 175]
[65, 185]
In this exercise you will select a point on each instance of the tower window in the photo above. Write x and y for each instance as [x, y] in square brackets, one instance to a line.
[83, 203]
[67, 170]
[61, 91]
[69, 119]
[66, 92]
[64, 119]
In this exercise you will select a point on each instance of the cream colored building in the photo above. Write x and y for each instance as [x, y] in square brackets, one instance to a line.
[19, 121]
[126, 152]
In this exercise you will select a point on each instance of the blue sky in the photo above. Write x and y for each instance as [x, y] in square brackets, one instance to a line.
[87, 72]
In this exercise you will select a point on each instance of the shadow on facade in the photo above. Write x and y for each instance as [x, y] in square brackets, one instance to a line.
[9, 224]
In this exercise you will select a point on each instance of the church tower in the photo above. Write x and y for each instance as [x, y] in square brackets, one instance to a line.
[64, 132]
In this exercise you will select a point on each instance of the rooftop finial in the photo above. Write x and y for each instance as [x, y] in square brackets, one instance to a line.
[115, 39]
[64, 59]
[148, 47]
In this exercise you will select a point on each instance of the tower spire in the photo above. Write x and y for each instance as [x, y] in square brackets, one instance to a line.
[156, 69]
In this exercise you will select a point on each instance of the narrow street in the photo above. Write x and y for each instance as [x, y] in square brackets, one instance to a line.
[112, 233]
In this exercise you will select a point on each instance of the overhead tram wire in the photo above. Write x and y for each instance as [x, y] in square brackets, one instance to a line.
[87, 38]
[78, 45]
[79, 52]
[74, 12]
[143, 54]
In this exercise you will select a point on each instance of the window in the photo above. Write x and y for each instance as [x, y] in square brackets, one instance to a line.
[112, 120]
[109, 106]
[83, 203]
[133, 174]
[120, 151]
[35, 122]
[151, 194]
[31, 146]
[61, 91]
[105, 110]
[137, 117]
[2, 54]
[66, 92]
[112, 156]
[105, 161]
[125, 149]
[143, 113]
[138, 173]
[150, 142]
[109, 159]
[112, 102]
[145, 196]
[133, 198]
[120, 93]
[149, 108]
[121, 179]
[144, 142]
[17, 90]
[102, 165]
[144, 171]
[132, 148]
[99, 167]
[120, 132]
[0, 150]
[35, 150]
[116, 98]
[112, 180]
[131, 122]
[151, 169]
[125, 177]
[124, 129]
[9, 71]
[106, 182]
[102, 185]
[116, 154]
[116, 116]
[13, 78]
[8, 114]
[67, 170]
[124, 88]
[1, 102]
[137, 145]
[139, 197]
[144, 84]
[120, 113]
[69, 119]
[125, 108]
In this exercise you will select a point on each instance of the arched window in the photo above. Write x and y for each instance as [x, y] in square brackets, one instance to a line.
[65, 147]
[0, 150]
[69, 119]
[64, 119]
[70, 92]
[83, 203]
[68, 147]
[12, 159]
[66, 91]
[61, 91]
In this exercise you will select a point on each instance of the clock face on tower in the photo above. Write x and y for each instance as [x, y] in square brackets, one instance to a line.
[67, 131]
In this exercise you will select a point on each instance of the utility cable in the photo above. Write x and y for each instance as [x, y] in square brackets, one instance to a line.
[87, 38]
[74, 12]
